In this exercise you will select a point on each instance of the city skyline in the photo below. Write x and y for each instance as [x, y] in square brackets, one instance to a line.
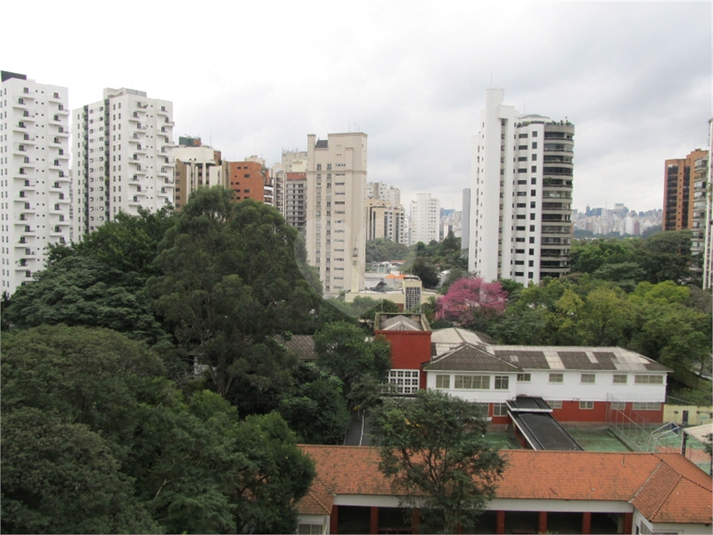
[635, 78]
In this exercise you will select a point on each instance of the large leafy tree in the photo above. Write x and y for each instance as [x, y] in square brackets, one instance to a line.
[314, 407]
[79, 290]
[98, 282]
[230, 279]
[95, 440]
[356, 359]
[433, 448]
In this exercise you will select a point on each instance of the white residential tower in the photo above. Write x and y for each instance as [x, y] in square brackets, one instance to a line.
[122, 148]
[521, 215]
[34, 174]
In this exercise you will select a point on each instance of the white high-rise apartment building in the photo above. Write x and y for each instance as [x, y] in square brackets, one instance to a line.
[708, 235]
[521, 214]
[122, 148]
[425, 215]
[335, 226]
[34, 174]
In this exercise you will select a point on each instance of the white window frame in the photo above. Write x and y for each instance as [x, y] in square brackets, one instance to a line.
[556, 378]
[500, 409]
[646, 406]
[648, 379]
[585, 378]
[524, 377]
[617, 405]
[620, 376]
[405, 381]
[586, 405]
[501, 382]
[467, 382]
[443, 381]
[554, 403]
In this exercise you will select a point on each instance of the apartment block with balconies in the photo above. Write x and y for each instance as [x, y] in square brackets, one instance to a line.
[34, 175]
[123, 157]
[335, 227]
[521, 200]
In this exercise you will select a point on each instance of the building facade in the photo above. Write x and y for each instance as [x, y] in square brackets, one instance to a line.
[383, 192]
[708, 234]
[521, 215]
[383, 220]
[123, 157]
[34, 174]
[679, 189]
[335, 225]
[197, 166]
[247, 180]
[424, 218]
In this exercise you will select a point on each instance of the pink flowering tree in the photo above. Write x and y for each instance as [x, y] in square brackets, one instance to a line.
[470, 300]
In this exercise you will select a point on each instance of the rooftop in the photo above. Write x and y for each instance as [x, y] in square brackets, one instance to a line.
[664, 487]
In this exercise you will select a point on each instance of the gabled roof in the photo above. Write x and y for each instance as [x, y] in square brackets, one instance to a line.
[443, 340]
[318, 500]
[301, 345]
[402, 322]
[664, 487]
[576, 358]
[467, 357]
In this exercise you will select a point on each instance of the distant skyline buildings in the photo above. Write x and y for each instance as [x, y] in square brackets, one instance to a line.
[424, 218]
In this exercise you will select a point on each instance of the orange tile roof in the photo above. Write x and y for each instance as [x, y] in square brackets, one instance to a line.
[664, 487]
[318, 501]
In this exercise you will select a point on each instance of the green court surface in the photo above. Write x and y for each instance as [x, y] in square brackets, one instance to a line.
[596, 439]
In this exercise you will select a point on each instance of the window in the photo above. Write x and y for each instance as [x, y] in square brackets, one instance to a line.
[524, 377]
[648, 379]
[587, 378]
[443, 381]
[502, 382]
[406, 381]
[586, 405]
[618, 405]
[555, 403]
[310, 529]
[500, 409]
[646, 406]
[556, 378]
[472, 382]
[619, 379]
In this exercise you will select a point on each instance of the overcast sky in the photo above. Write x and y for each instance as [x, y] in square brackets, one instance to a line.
[257, 77]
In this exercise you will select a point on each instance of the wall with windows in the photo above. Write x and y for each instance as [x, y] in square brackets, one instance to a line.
[592, 385]
[473, 386]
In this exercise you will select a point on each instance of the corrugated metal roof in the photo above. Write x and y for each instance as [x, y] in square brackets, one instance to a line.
[577, 358]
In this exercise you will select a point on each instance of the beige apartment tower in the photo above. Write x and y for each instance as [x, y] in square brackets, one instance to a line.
[335, 226]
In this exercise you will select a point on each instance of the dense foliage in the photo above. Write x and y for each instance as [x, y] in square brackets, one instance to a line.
[96, 440]
[433, 448]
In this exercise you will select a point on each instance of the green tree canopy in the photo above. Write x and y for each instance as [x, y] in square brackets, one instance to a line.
[94, 439]
[433, 448]
[347, 352]
[230, 280]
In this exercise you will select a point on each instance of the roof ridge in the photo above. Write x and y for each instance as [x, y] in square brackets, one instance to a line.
[673, 487]
[327, 488]
[683, 476]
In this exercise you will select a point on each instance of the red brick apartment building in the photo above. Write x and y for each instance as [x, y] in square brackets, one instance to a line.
[247, 180]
